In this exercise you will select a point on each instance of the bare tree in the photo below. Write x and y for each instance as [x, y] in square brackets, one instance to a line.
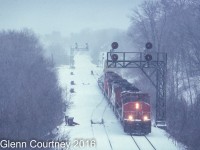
[173, 27]
[30, 99]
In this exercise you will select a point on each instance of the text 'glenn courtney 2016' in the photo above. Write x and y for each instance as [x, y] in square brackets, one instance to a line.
[78, 143]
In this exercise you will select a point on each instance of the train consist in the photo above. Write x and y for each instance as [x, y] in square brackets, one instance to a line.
[129, 104]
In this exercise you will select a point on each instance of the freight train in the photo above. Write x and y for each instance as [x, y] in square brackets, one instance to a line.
[129, 104]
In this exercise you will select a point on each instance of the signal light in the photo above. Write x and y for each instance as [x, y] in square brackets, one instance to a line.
[114, 45]
[114, 57]
[148, 57]
[148, 45]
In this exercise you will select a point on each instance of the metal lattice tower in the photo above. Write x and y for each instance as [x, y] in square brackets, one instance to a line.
[154, 67]
[73, 50]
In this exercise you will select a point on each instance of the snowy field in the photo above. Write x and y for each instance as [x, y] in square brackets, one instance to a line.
[89, 104]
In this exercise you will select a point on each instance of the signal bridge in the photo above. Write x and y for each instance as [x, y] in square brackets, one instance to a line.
[154, 67]
[73, 50]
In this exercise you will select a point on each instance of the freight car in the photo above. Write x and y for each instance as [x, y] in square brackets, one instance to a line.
[129, 104]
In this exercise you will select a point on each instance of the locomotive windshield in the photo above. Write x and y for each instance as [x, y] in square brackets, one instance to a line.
[135, 97]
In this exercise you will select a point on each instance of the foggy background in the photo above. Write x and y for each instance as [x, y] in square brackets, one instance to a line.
[59, 24]
[65, 16]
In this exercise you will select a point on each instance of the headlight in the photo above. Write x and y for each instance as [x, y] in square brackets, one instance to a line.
[130, 117]
[145, 118]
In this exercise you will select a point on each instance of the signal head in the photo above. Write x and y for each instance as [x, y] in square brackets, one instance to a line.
[148, 45]
[114, 57]
[148, 57]
[114, 45]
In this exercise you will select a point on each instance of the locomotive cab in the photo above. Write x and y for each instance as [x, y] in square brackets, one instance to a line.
[136, 113]
[129, 104]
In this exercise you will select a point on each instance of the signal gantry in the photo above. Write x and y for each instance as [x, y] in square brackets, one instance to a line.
[153, 65]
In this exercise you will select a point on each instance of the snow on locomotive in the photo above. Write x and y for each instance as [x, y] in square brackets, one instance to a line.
[129, 104]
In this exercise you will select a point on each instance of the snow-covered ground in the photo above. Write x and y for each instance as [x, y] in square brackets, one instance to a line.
[89, 104]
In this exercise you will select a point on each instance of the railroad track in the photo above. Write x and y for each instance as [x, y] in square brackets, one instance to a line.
[108, 137]
[143, 143]
[102, 121]
[105, 130]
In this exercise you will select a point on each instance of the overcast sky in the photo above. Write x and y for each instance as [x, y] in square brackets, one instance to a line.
[66, 16]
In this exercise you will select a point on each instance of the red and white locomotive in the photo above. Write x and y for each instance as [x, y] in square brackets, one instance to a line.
[129, 104]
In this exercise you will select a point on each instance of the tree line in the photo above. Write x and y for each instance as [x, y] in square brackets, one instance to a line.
[173, 27]
[31, 104]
